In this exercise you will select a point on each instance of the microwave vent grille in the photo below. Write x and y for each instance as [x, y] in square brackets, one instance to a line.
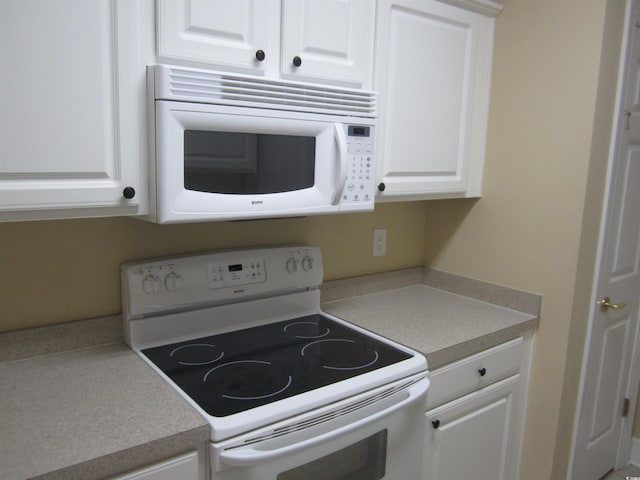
[201, 86]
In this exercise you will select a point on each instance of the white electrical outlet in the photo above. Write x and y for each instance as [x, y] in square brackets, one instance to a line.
[379, 242]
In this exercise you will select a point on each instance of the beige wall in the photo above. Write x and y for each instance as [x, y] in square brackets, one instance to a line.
[528, 231]
[58, 271]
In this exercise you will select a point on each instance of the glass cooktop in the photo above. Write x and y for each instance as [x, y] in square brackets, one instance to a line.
[244, 369]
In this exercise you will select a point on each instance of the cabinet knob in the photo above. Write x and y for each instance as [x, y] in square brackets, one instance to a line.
[260, 56]
[435, 423]
[381, 186]
[482, 371]
[297, 61]
[129, 193]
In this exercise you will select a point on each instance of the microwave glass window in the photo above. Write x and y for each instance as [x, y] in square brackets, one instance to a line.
[247, 163]
[364, 460]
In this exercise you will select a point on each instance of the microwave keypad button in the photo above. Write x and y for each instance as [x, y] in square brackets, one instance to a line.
[359, 187]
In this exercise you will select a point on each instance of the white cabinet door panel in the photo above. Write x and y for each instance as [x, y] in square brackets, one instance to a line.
[61, 92]
[184, 467]
[221, 32]
[432, 67]
[332, 38]
[471, 437]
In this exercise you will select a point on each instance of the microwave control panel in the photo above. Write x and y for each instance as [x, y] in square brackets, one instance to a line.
[359, 186]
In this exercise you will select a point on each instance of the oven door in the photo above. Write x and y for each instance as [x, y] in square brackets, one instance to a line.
[227, 163]
[373, 436]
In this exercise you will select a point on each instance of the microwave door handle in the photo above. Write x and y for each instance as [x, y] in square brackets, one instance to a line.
[250, 455]
[341, 140]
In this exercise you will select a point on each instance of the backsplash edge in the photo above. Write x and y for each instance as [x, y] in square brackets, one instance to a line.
[60, 337]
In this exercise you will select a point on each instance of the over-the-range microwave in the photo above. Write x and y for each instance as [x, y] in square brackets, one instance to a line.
[234, 147]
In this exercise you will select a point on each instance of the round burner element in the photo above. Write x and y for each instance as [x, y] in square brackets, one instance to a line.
[196, 354]
[306, 330]
[247, 380]
[341, 354]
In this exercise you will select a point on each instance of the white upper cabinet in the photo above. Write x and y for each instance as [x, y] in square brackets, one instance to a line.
[238, 34]
[72, 129]
[433, 69]
[329, 41]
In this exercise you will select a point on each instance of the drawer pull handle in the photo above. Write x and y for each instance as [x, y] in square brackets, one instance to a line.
[482, 371]
[435, 423]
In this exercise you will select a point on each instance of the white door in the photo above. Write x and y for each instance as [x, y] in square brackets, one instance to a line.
[609, 372]
[471, 437]
[72, 122]
[329, 40]
[432, 68]
[238, 34]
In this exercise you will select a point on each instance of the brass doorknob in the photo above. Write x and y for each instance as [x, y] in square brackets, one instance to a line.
[605, 304]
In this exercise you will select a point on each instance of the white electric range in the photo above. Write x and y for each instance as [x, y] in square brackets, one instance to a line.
[289, 392]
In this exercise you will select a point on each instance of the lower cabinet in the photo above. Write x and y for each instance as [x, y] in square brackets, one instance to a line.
[475, 415]
[471, 437]
[184, 467]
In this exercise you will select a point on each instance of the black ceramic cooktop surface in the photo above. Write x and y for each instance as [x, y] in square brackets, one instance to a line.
[236, 371]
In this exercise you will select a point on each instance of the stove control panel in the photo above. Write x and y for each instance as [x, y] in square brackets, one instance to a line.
[224, 274]
[189, 282]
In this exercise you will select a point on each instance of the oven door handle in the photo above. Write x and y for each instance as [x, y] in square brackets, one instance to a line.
[250, 455]
[341, 140]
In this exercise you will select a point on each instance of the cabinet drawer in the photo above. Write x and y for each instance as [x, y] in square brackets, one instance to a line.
[474, 372]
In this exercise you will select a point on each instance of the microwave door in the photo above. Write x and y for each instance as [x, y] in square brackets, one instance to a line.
[215, 163]
[219, 162]
[234, 163]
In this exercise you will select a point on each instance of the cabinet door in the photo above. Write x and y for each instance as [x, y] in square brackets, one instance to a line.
[223, 33]
[184, 467]
[433, 65]
[332, 39]
[72, 133]
[471, 437]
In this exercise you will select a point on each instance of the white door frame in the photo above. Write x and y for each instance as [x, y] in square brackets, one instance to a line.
[631, 388]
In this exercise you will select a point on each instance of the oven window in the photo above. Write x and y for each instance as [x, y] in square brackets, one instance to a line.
[365, 460]
[247, 163]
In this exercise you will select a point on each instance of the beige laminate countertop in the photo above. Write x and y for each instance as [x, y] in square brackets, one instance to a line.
[443, 326]
[444, 316]
[89, 413]
[77, 403]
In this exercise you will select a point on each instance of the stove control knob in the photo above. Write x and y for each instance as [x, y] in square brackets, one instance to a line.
[151, 284]
[307, 263]
[173, 282]
[292, 265]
